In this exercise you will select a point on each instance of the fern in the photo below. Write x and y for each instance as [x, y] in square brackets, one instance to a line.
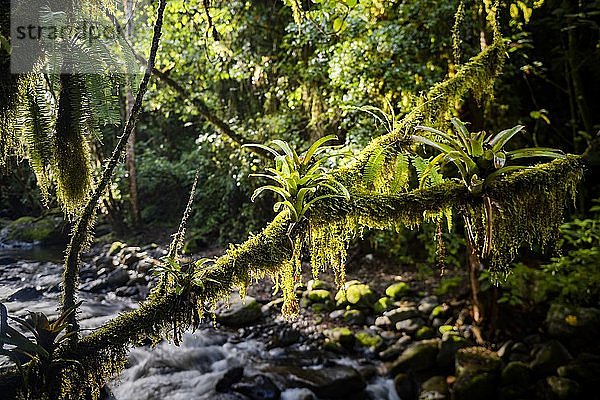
[401, 174]
[374, 166]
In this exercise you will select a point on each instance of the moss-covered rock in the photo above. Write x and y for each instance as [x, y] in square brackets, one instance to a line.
[239, 312]
[50, 229]
[115, 248]
[397, 290]
[317, 284]
[382, 305]
[478, 359]
[319, 295]
[419, 356]
[341, 335]
[360, 295]
[516, 373]
[563, 388]
[577, 327]
[475, 385]
[368, 339]
[451, 343]
[425, 332]
[354, 317]
[549, 357]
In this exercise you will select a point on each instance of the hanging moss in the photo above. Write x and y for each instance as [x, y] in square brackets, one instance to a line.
[72, 164]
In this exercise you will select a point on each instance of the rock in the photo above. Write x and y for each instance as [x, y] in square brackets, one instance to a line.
[104, 262]
[49, 229]
[343, 336]
[477, 359]
[7, 260]
[577, 327]
[473, 385]
[382, 305]
[354, 317]
[321, 307]
[410, 326]
[440, 311]
[477, 371]
[336, 314]
[233, 375]
[383, 322]
[400, 314]
[427, 305]
[115, 247]
[504, 350]
[563, 388]
[27, 293]
[258, 387]
[516, 373]
[337, 382]
[549, 357]
[398, 290]
[395, 349]
[424, 332]
[287, 336]
[131, 258]
[419, 356]
[360, 295]
[317, 284]
[239, 313]
[119, 277]
[434, 388]
[369, 339]
[585, 370]
[144, 266]
[319, 295]
[407, 386]
[451, 343]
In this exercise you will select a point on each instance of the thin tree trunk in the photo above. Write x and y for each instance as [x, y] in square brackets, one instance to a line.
[130, 149]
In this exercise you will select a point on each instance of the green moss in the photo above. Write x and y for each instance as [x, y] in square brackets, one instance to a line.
[398, 290]
[360, 295]
[319, 295]
[382, 305]
[368, 339]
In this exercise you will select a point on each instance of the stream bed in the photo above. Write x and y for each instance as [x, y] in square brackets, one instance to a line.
[211, 363]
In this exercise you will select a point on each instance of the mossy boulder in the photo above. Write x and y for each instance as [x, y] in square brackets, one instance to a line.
[360, 295]
[425, 332]
[47, 230]
[382, 305]
[341, 335]
[563, 388]
[475, 385]
[354, 317]
[516, 373]
[479, 359]
[451, 343]
[319, 295]
[398, 290]
[549, 357]
[577, 327]
[419, 356]
[115, 248]
[368, 339]
[239, 312]
[317, 284]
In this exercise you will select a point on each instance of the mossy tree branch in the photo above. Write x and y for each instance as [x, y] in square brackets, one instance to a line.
[81, 231]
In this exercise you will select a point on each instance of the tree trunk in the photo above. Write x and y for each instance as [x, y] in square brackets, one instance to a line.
[130, 149]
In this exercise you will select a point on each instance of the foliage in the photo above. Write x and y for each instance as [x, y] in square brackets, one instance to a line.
[572, 277]
[300, 178]
[480, 158]
[46, 337]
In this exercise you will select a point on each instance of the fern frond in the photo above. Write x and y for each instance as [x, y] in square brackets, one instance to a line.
[401, 173]
[374, 166]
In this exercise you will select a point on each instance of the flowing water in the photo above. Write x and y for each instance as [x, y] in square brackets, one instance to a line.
[30, 278]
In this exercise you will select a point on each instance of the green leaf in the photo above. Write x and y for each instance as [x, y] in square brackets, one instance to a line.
[338, 24]
[315, 146]
[463, 133]
[497, 142]
[283, 193]
[535, 152]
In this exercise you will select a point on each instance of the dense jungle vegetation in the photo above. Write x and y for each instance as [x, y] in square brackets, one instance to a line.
[425, 169]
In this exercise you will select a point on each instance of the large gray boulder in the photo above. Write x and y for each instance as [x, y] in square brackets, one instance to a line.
[239, 313]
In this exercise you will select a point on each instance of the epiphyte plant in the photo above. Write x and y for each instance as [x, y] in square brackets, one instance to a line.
[479, 157]
[300, 179]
